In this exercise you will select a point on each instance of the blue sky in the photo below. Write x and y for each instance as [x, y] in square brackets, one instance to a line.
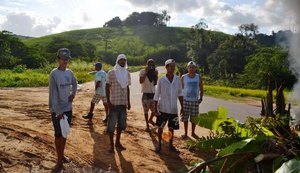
[44, 17]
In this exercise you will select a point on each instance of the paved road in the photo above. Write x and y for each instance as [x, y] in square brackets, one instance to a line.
[238, 111]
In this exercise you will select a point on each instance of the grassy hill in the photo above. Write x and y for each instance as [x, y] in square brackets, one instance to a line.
[138, 43]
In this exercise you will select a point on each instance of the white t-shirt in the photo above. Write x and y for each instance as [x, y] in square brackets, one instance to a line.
[147, 86]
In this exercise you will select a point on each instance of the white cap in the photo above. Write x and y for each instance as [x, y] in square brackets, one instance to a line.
[169, 61]
[191, 63]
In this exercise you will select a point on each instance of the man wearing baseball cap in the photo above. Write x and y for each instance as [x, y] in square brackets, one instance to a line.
[100, 84]
[61, 82]
[165, 100]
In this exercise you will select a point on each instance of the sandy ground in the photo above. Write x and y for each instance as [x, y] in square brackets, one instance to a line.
[27, 141]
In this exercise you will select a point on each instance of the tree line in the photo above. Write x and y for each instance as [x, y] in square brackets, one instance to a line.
[236, 60]
[140, 19]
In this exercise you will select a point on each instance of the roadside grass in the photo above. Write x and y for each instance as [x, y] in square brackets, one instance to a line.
[22, 77]
[235, 94]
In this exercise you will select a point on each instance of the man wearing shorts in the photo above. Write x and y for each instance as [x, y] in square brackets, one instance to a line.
[192, 97]
[148, 80]
[118, 99]
[165, 101]
[100, 83]
[62, 90]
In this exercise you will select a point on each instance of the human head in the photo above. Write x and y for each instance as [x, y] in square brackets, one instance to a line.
[63, 56]
[98, 66]
[121, 60]
[150, 62]
[191, 67]
[170, 66]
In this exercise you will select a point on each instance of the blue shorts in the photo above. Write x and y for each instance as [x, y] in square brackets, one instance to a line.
[117, 114]
[56, 122]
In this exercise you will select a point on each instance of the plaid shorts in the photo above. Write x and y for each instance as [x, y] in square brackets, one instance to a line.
[148, 103]
[96, 98]
[190, 108]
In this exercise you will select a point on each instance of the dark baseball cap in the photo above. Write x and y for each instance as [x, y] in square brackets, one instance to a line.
[98, 65]
[64, 53]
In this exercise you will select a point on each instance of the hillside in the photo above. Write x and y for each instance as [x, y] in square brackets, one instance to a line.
[137, 42]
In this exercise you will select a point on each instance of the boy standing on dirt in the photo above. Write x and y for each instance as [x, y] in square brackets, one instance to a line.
[148, 80]
[192, 97]
[100, 82]
[165, 101]
[62, 90]
[118, 99]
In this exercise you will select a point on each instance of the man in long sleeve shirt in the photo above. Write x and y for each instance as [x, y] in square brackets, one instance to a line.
[62, 90]
[165, 101]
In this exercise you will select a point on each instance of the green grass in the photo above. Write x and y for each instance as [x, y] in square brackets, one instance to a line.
[233, 93]
[228, 92]
[40, 77]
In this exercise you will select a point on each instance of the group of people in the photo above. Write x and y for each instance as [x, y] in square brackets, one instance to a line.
[159, 97]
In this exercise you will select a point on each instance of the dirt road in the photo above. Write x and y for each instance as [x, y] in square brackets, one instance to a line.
[27, 142]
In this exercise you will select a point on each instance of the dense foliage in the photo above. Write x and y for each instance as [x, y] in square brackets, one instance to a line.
[13, 52]
[259, 145]
[140, 19]
[224, 59]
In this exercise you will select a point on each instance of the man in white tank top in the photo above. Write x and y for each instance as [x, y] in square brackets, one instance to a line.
[192, 96]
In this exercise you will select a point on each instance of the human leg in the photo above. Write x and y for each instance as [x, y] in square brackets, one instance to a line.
[112, 120]
[122, 117]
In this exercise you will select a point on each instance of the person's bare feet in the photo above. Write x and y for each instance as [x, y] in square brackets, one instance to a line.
[158, 149]
[184, 136]
[173, 149]
[66, 159]
[152, 123]
[120, 146]
[57, 168]
[195, 136]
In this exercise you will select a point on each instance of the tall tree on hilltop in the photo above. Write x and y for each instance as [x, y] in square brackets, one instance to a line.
[114, 22]
[197, 45]
[249, 30]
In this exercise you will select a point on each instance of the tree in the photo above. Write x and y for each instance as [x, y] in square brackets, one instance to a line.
[132, 19]
[249, 30]
[269, 68]
[231, 55]
[163, 18]
[14, 52]
[199, 43]
[115, 22]
[76, 48]
[147, 19]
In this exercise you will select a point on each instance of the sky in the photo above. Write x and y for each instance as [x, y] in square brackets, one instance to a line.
[37, 18]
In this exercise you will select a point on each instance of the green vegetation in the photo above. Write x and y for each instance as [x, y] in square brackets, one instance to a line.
[22, 77]
[264, 144]
[225, 60]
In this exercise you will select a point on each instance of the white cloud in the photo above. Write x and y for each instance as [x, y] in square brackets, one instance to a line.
[76, 14]
[24, 24]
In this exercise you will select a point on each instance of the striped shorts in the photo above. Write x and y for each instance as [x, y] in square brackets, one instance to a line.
[190, 109]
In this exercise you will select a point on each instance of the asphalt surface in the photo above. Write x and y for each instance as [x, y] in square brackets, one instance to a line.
[238, 111]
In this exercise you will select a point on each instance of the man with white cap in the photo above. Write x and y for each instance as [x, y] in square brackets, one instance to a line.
[192, 97]
[118, 99]
[165, 100]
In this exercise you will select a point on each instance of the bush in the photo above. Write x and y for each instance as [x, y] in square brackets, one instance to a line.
[19, 69]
